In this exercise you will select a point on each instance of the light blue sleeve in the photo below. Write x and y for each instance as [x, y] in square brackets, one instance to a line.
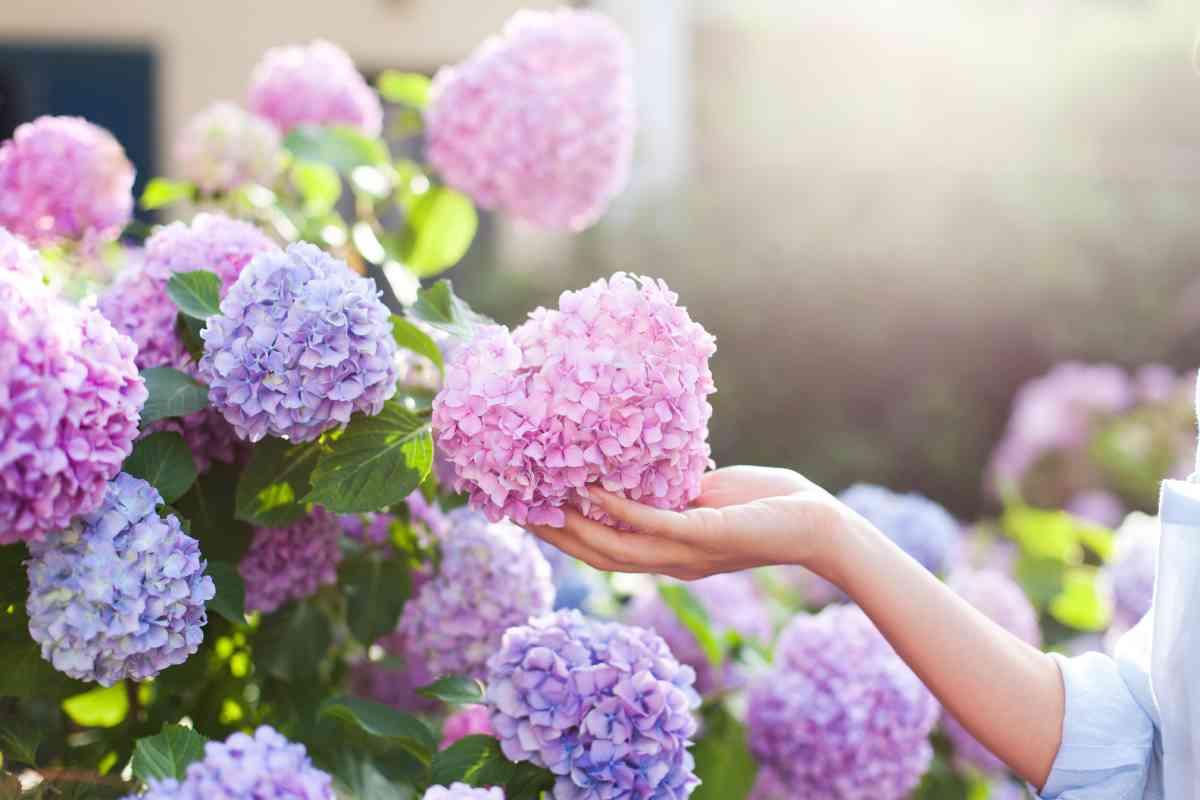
[1108, 738]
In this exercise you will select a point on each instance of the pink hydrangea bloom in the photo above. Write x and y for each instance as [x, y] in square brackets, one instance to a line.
[285, 564]
[315, 84]
[64, 178]
[16, 256]
[225, 146]
[467, 721]
[612, 388]
[70, 396]
[539, 121]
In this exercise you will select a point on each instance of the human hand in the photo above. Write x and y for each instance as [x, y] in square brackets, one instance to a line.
[744, 517]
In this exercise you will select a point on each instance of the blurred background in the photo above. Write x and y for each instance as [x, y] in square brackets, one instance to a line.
[890, 214]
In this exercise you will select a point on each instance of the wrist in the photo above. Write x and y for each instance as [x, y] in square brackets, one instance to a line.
[840, 545]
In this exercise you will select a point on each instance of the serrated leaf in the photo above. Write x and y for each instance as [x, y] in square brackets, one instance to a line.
[318, 184]
[410, 337]
[724, 763]
[376, 590]
[99, 708]
[164, 461]
[167, 753]
[188, 330]
[385, 722]
[695, 618]
[454, 689]
[196, 294]
[208, 507]
[474, 760]
[1081, 605]
[272, 487]
[529, 782]
[375, 463]
[230, 599]
[292, 642]
[19, 740]
[441, 308]
[162, 192]
[407, 88]
[441, 226]
[339, 146]
[171, 394]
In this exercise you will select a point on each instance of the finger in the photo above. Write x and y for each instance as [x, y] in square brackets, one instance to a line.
[571, 545]
[640, 551]
[639, 516]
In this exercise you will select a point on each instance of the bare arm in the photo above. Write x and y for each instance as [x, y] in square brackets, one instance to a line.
[1007, 694]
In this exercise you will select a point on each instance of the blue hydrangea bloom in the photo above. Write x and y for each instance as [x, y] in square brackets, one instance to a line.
[301, 343]
[265, 766]
[120, 593]
[919, 526]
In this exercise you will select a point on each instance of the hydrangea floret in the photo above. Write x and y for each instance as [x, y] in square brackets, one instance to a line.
[292, 562]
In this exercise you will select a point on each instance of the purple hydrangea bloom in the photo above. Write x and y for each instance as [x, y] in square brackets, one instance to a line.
[1098, 506]
[16, 256]
[610, 388]
[733, 603]
[291, 563]
[492, 577]
[394, 681]
[576, 585]
[1004, 602]
[373, 529]
[212, 242]
[64, 178]
[1130, 571]
[603, 706]
[301, 343]
[426, 515]
[119, 593]
[466, 721]
[918, 525]
[538, 122]
[71, 396]
[461, 791]
[263, 765]
[840, 715]
[225, 146]
[315, 84]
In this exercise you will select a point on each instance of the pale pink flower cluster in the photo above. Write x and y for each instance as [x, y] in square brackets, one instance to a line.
[225, 146]
[313, 84]
[610, 388]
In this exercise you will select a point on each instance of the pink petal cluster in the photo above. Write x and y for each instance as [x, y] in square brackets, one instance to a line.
[539, 121]
[64, 178]
[611, 387]
[467, 721]
[225, 146]
[16, 256]
[314, 84]
[70, 396]
[285, 564]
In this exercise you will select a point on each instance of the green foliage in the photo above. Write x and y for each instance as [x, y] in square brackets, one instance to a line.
[410, 337]
[441, 226]
[230, 599]
[454, 689]
[478, 761]
[273, 483]
[167, 753]
[441, 308]
[337, 146]
[164, 461]
[694, 618]
[724, 763]
[376, 589]
[19, 740]
[101, 708]
[197, 294]
[162, 192]
[406, 88]
[1080, 604]
[375, 462]
[319, 186]
[293, 642]
[383, 722]
[172, 394]
[208, 508]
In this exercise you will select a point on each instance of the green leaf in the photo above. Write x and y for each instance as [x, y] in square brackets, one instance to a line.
[318, 184]
[230, 599]
[474, 760]
[454, 689]
[165, 462]
[376, 462]
[364, 779]
[19, 740]
[26, 673]
[339, 146]
[172, 394]
[529, 782]
[197, 294]
[167, 753]
[441, 227]
[273, 483]
[724, 763]
[1041, 578]
[188, 330]
[378, 720]
[208, 506]
[376, 589]
[441, 308]
[162, 192]
[1043, 534]
[99, 708]
[367, 243]
[1080, 604]
[694, 618]
[410, 337]
[292, 643]
[1098, 539]
[13, 583]
[406, 88]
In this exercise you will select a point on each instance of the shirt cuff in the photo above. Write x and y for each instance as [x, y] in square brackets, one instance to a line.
[1179, 503]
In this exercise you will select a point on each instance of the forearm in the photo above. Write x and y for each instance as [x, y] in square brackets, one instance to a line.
[1008, 694]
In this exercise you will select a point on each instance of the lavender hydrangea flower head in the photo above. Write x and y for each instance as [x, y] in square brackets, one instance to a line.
[610, 388]
[733, 603]
[64, 178]
[301, 343]
[212, 242]
[315, 84]
[467, 721]
[539, 121]
[262, 765]
[461, 791]
[120, 592]
[840, 715]
[918, 525]
[1004, 602]
[492, 577]
[225, 146]
[71, 397]
[576, 584]
[1098, 506]
[291, 563]
[1130, 571]
[16, 256]
[604, 706]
